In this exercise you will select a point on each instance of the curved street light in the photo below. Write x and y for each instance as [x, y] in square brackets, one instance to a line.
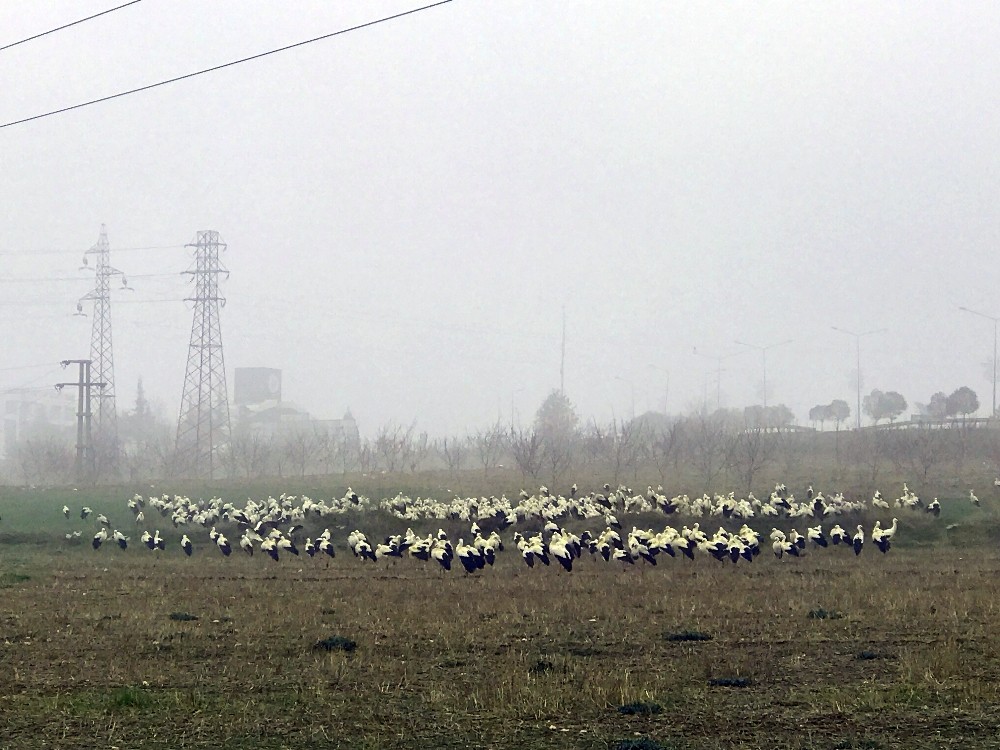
[763, 359]
[857, 347]
[994, 319]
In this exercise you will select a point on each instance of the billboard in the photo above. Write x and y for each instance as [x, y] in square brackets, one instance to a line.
[254, 385]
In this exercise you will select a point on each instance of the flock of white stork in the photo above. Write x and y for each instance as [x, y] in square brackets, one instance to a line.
[276, 526]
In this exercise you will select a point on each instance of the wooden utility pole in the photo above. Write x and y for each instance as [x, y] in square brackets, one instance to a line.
[562, 356]
[85, 464]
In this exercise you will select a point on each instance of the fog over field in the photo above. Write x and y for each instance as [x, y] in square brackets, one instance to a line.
[409, 208]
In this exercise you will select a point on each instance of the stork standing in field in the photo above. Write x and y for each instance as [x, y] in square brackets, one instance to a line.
[816, 536]
[838, 535]
[797, 539]
[780, 546]
[442, 552]
[269, 547]
[470, 557]
[558, 550]
[858, 540]
[326, 547]
[883, 537]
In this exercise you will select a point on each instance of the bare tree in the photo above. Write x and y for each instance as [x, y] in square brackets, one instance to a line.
[749, 451]
[326, 451]
[919, 450]
[348, 452]
[419, 450]
[454, 451]
[665, 448]
[526, 447]
[301, 446]
[708, 440]
[490, 444]
[594, 442]
[149, 455]
[251, 453]
[45, 459]
[619, 446]
[557, 455]
[867, 450]
[393, 445]
[366, 456]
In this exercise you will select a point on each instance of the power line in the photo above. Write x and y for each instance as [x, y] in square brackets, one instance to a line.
[45, 279]
[62, 303]
[28, 367]
[67, 25]
[90, 279]
[52, 251]
[26, 386]
[225, 65]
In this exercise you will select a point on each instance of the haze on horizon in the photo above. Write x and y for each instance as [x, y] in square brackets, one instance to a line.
[409, 208]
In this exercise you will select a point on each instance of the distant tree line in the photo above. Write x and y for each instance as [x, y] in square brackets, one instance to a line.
[736, 447]
[889, 405]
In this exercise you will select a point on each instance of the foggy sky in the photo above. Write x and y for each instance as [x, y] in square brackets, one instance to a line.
[409, 208]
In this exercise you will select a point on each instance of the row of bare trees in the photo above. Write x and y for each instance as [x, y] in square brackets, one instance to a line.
[727, 447]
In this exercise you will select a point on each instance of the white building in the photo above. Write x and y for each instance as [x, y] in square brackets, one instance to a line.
[36, 413]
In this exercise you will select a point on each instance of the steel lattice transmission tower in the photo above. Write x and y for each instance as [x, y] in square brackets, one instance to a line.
[203, 425]
[105, 415]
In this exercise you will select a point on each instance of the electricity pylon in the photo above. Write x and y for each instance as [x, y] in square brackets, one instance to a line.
[203, 425]
[105, 417]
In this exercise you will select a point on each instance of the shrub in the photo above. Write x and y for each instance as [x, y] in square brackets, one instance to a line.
[640, 708]
[336, 643]
[644, 743]
[687, 635]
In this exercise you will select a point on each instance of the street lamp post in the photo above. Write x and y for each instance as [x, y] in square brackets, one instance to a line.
[763, 359]
[512, 394]
[994, 319]
[631, 386]
[857, 350]
[718, 374]
[666, 388]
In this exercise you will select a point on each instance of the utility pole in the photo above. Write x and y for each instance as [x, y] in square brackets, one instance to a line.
[631, 386]
[763, 360]
[102, 355]
[857, 351]
[203, 425]
[666, 387]
[562, 357]
[85, 466]
[994, 319]
[718, 375]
